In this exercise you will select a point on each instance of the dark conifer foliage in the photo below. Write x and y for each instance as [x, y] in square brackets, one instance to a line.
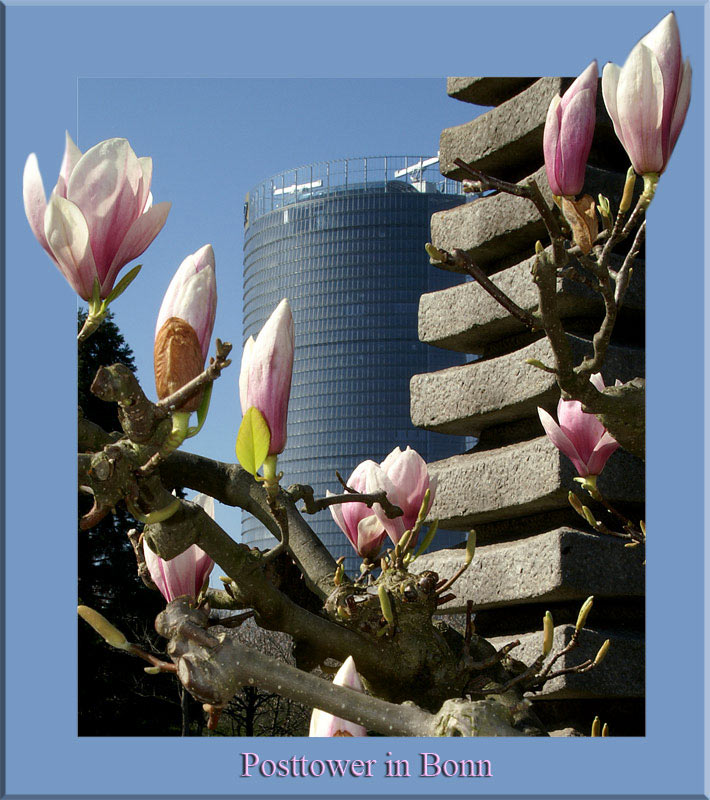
[115, 696]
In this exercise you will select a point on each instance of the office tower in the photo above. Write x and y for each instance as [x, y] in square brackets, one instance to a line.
[344, 241]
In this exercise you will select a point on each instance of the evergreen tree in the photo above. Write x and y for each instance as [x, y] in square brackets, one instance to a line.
[116, 697]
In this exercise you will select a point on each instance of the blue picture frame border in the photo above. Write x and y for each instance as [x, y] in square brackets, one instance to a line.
[46, 49]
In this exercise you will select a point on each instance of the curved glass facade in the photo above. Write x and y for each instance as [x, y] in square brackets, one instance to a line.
[352, 263]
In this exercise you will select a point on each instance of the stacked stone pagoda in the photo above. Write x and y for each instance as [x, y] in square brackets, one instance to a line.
[534, 553]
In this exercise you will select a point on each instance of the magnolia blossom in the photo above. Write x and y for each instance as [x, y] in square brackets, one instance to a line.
[265, 376]
[192, 296]
[647, 99]
[580, 436]
[356, 520]
[185, 574]
[99, 216]
[324, 724]
[408, 474]
[569, 129]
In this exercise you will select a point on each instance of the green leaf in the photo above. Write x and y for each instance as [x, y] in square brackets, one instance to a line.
[253, 440]
[201, 412]
[123, 284]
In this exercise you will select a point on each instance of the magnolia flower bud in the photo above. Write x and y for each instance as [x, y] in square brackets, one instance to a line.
[406, 471]
[647, 99]
[569, 129]
[99, 216]
[324, 724]
[580, 436]
[184, 326]
[186, 573]
[265, 375]
[103, 627]
[548, 633]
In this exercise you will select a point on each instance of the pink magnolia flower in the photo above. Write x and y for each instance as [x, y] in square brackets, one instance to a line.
[265, 375]
[192, 296]
[580, 436]
[647, 99]
[356, 520]
[99, 216]
[569, 130]
[185, 574]
[324, 724]
[408, 474]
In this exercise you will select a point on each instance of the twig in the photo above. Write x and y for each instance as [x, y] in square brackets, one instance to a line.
[624, 275]
[163, 666]
[213, 371]
[234, 620]
[462, 260]
[529, 191]
[135, 538]
[499, 655]
[452, 580]
[279, 513]
[304, 492]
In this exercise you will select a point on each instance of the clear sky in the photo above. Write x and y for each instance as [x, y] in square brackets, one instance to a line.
[212, 140]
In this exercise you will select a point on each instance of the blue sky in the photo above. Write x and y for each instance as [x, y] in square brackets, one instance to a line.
[212, 140]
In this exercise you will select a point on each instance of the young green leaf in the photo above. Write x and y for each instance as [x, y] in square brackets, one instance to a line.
[253, 440]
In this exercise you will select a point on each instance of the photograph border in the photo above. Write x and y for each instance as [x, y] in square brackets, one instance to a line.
[47, 48]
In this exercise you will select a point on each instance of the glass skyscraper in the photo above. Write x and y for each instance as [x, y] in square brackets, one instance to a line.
[344, 242]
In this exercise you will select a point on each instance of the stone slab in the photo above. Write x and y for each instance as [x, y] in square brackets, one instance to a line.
[520, 479]
[486, 91]
[507, 141]
[500, 229]
[560, 565]
[621, 674]
[465, 400]
[466, 318]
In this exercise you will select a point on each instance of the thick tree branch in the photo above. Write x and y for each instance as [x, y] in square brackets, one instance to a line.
[233, 486]
[214, 669]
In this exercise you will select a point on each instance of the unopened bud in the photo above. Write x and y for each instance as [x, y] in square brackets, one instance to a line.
[424, 508]
[628, 192]
[548, 632]
[470, 546]
[434, 253]
[385, 603]
[152, 670]
[534, 362]
[403, 543]
[596, 726]
[539, 249]
[589, 516]
[604, 207]
[576, 503]
[603, 650]
[605, 730]
[428, 538]
[584, 613]
[469, 186]
[103, 627]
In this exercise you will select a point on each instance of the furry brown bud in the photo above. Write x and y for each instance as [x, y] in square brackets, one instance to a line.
[177, 358]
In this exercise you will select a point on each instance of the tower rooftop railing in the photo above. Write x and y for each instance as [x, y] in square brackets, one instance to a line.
[365, 173]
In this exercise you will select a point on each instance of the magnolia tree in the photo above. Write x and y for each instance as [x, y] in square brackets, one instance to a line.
[402, 673]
